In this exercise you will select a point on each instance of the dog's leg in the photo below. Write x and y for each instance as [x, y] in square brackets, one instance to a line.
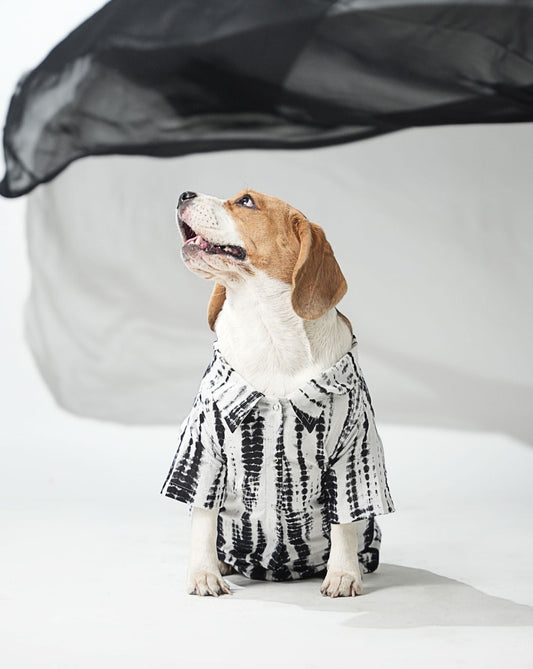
[343, 577]
[203, 576]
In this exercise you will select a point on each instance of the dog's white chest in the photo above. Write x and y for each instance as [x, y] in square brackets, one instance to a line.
[271, 347]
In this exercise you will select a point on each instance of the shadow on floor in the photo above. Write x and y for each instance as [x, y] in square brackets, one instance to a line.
[397, 597]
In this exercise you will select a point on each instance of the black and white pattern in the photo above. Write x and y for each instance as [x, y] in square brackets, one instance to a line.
[280, 471]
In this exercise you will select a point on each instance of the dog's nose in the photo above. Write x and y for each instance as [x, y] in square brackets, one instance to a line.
[187, 195]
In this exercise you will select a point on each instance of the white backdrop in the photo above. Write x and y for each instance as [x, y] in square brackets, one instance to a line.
[93, 558]
[431, 227]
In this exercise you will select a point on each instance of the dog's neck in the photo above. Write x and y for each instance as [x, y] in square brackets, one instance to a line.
[268, 344]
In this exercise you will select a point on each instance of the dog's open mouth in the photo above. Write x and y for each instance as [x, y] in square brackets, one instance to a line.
[191, 238]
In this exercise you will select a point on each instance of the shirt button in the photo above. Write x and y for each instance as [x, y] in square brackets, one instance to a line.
[275, 406]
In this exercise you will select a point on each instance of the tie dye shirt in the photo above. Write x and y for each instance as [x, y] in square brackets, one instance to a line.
[281, 470]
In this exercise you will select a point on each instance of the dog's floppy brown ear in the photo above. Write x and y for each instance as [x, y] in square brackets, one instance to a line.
[317, 281]
[215, 304]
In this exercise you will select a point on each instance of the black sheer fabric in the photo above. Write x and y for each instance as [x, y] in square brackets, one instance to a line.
[172, 77]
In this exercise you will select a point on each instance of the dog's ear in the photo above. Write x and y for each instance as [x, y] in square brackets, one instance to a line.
[317, 281]
[216, 303]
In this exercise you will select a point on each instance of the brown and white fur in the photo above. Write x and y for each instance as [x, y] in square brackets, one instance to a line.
[273, 311]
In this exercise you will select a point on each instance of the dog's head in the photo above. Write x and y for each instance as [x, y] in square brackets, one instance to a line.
[240, 238]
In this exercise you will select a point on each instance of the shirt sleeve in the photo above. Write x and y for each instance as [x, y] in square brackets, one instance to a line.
[198, 472]
[355, 481]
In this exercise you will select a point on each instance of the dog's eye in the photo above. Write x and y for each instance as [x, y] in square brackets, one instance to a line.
[246, 201]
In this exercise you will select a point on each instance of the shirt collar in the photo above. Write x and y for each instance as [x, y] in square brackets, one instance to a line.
[235, 397]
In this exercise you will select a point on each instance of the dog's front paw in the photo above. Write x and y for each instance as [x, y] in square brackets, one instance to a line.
[204, 583]
[342, 584]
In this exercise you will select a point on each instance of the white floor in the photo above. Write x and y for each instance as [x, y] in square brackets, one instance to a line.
[93, 558]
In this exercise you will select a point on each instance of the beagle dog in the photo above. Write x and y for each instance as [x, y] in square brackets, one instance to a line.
[273, 310]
